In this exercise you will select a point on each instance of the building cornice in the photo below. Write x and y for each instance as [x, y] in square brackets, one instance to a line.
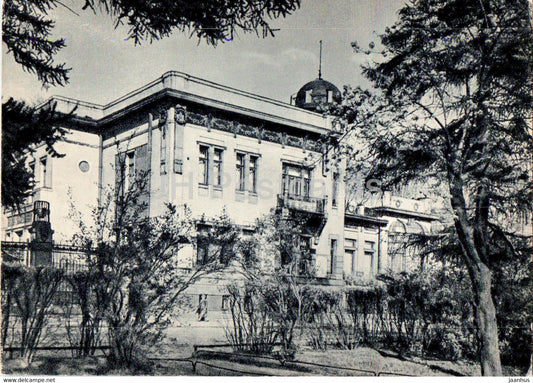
[184, 87]
[390, 211]
[364, 219]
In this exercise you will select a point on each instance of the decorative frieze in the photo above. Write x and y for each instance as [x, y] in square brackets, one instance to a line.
[258, 132]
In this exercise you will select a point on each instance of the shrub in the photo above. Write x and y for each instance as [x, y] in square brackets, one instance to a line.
[328, 321]
[88, 298]
[251, 329]
[28, 294]
[365, 307]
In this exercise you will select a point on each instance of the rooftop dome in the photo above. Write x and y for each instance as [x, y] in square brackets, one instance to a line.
[318, 95]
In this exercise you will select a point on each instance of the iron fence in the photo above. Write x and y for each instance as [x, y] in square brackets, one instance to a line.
[66, 257]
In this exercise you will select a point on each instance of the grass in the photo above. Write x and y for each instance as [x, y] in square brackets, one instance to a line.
[169, 361]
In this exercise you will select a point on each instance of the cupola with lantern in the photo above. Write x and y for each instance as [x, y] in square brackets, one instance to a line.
[318, 95]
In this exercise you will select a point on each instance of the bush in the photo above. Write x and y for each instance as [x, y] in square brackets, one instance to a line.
[365, 307]
[265, 312]
[513, 296]
[28, 294]
[328, 322]
[251, 329]
[430, 312]
[87, 299]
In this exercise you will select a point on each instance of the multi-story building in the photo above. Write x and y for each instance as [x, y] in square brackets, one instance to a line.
[213, 147]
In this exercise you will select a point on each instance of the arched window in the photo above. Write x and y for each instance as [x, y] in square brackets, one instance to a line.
[397, 246]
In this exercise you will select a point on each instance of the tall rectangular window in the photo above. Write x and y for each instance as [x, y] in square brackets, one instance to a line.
[130, 170]
[253, 174]
[330, 96]
[350, 247]
[203, 166]
[46, 180]
[306, 180]
[335, 191]
[351, 257]
[240, 171]
[296, 180]
[332, 256]
[217, 167]
[308, 96]
[163, 154]
[369, 256]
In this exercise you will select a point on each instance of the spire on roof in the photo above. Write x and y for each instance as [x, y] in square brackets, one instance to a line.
[320, 62]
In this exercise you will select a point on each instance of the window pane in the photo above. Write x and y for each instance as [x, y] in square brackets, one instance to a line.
[333, 254]
[296, 180]
[240, 171]
[217, 165]
[308, 94]
[202, 176]
[203, 173]
[306, 188]
[335, 191]
[131, 164]
[296, 186]
[240, 159]
[43, 171]
[217, 173]
[253, 174]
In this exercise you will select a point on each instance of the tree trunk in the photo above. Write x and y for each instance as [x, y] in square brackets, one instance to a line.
[484, 310]
[474, 255]
[485, 315]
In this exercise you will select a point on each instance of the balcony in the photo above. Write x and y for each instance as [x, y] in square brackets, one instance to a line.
[302, 203]
[21, 218]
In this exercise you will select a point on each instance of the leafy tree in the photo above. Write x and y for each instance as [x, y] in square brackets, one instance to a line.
[26, 32]
[23, 127]
[26, 25]
[452, 103]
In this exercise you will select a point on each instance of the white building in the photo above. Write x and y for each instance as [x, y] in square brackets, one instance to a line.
[215, 147]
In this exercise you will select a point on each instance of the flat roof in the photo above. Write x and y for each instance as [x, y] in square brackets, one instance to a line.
[408, 213]
[189, 88]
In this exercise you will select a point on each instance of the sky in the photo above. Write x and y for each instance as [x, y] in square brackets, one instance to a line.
[105, 66]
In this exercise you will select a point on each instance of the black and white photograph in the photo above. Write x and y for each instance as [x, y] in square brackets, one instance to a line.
[266, 188]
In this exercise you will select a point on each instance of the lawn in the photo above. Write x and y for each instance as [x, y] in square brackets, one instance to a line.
[362, 361]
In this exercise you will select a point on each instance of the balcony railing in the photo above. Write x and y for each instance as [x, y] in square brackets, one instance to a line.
[302, 203]
[23, 217]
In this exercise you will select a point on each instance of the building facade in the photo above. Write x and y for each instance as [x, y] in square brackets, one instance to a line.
[216, 148]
